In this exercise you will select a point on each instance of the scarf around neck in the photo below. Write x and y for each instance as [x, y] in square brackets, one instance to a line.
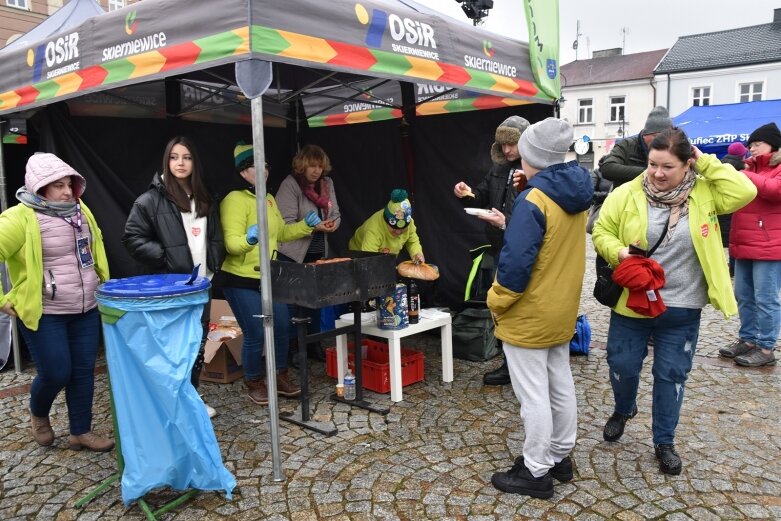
[52, 208]
[676, 199]
[321, 200]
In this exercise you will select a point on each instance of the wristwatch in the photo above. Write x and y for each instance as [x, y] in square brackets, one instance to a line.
[503, 226]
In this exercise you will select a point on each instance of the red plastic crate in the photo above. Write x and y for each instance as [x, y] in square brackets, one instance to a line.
[376, 365]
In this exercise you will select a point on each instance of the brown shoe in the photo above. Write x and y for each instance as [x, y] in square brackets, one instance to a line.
[285, 385]
[257, 391]
[90, 440]
[42, 430]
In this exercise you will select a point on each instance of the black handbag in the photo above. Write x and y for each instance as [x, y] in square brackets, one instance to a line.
[606, 291]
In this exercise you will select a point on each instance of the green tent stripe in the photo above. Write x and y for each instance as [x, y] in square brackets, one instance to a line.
[381, 114]
[217, 46]
[480, 80]
[316, 121]
[46, 90]
[460, 105]
[390, 63]
[118, 70]
[267, 40]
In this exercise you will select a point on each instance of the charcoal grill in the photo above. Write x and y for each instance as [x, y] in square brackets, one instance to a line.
[363, 277]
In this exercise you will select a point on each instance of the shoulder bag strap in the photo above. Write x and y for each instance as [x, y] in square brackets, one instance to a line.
[661, 238]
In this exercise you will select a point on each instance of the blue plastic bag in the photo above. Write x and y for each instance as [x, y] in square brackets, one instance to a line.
[167, 437]
[581, 340]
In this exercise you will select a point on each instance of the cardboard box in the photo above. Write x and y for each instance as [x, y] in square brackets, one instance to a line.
[222, 359]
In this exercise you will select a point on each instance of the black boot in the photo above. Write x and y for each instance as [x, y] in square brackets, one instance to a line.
[499, 376]
[195, 375]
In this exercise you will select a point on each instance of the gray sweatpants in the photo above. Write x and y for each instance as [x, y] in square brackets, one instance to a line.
[543, 383]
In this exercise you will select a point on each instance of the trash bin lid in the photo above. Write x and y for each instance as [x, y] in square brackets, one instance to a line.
[147, 286]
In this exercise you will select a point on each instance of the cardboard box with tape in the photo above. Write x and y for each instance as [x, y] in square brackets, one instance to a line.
[222, 352]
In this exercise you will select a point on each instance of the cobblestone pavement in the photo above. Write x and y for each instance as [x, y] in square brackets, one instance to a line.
[433, 455]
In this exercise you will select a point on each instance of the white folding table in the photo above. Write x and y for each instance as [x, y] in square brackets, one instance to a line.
[394, 336]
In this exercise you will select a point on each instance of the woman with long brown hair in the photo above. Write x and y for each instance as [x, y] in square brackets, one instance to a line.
[175, 225]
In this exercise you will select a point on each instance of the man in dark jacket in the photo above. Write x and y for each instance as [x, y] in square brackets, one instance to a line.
[496, 193]
[629, 157]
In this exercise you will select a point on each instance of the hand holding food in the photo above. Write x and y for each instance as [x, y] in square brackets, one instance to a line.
[462, 190]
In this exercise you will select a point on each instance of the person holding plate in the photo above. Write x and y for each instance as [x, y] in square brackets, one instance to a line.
[496, 192]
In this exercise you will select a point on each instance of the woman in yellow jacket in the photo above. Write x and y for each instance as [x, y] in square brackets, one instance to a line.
[56, 259]
[240, 279]
[682, 191]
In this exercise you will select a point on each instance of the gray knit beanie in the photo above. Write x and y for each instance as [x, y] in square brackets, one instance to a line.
[658, 120]
[546, 142]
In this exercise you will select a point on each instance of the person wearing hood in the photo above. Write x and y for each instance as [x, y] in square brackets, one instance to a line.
[671, 210]
[755, 244]
[629, 157]
[240, 278]
[496, 192]
[175, 225]
[534, 301]
[55, 256]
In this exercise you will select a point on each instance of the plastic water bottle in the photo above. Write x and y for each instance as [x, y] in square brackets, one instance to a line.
[349, 386]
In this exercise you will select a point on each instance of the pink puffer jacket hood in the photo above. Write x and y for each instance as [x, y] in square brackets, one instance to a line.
[45, 168]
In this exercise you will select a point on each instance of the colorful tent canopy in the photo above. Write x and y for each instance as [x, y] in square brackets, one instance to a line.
[343, 39]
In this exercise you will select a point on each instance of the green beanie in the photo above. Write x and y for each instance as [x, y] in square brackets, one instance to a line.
[398, 212]
[243, 156]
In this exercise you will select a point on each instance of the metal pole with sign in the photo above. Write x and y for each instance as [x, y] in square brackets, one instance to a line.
[254, 77]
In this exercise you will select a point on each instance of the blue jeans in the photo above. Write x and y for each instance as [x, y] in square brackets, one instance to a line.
[64, 349]
[757, 285]
[245, 303]
[675, 334]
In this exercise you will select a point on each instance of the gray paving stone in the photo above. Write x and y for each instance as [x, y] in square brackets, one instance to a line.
[433, 455]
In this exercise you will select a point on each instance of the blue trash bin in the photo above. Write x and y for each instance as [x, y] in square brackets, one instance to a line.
[152, 330]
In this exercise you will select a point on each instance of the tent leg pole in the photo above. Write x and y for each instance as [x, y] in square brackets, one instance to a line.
[4, 207]
[265, 285]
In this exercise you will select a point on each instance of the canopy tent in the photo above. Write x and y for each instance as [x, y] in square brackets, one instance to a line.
[161, 38]
[712, 128]
[172, 58]
[316, 44]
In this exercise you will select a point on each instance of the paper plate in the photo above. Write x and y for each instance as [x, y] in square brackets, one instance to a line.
[477, 211]
[366, 318]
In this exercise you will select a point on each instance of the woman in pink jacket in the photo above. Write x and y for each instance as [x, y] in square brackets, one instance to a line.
[755, 243]
[56, 259]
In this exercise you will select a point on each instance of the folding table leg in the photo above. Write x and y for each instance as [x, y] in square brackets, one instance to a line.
[394, 358]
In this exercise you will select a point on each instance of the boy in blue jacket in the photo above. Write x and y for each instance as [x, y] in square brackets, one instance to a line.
[534, 300]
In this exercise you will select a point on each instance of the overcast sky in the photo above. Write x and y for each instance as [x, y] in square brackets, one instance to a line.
[650, 25]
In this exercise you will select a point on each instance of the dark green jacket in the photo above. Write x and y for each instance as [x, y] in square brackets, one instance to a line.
[627, 160]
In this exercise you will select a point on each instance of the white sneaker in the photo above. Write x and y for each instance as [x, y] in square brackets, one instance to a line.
[211, 411]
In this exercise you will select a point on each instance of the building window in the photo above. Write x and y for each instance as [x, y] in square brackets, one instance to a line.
[20, 4]
[750, 92]
[585, 111]
[617, 104]
[701, 96]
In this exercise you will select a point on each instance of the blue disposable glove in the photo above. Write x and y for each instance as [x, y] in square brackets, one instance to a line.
[312, 219]
[252, 234]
